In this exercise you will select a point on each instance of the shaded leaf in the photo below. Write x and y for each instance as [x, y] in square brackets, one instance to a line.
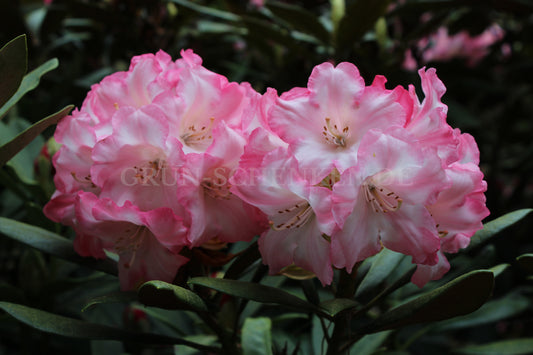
[30, 82]
[199, 339]
[75, 328]
[10, 149]
[164, 295]
[243, 261]
[205, 10]
[254, 292]
[113, 297]
[499, 269]
[505, 347]
[383, 264]
[526, 261]
[51, 243]
[497, 225]
[13, 66]
[359, 18]
[300, 19]
[461, 296]
[338, 305]
[368, 344]
[506, 307]
[256, 336]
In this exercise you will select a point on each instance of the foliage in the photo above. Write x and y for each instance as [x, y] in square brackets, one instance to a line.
[49, 294]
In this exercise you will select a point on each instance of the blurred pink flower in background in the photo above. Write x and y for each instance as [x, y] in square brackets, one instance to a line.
[441, 46]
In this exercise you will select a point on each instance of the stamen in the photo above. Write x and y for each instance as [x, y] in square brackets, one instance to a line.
[332, 134]
[381, 198]
[194, 136]
[85, 180]
[218, 190]
[131, 243]
[303, 214]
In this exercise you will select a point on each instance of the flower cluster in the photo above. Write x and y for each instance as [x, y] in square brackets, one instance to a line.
[170, 155]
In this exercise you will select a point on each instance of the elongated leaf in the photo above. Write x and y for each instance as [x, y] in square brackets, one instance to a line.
[51, 243]
[338, 305]
[10, 149]
[505, 347]
[300, 19]
[526, 261]
[254, 292]
[497, 225]
[492, 311]
[30, 82]
[368, 344]
[114, 297]
[243, 261]
[204, 10]
[499, 269]
[382, 266]
[75, 328]
[461, 296]
[164, 295]
[256, 336]
[359, 18]
[13, 66]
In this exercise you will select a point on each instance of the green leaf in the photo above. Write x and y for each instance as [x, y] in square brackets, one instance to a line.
[243, 261]
[300, 19]
[13, 66]
[497, 225]
[526, 261]
[499, 269]
[30, 82]
[75, 328]
[114, 297]
[368, 344]
[10, 149]
[383, 264]
[461, 296]
[256, 336]
[164, 295]
[51, 243]
[254, 292]
[199, 339]
[205, 10]
[493, 311]
[359, 18]
[505, 347]
[335, 306]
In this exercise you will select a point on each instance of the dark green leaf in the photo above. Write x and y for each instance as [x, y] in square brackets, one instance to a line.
[114, 297]
[368, 344]
[505, 347]
[497, 225]
[198, 339]
[359, 18]
[492, 311]
[75, 328]
[461, 296]
[338, 305]
[300, 19]
[204, 10]
[526, 261]
[243, 261]
[499, 269]
[51, 243]
[30, 82]
[10, 149]
[254, 292]
[164, 295]
[13, 66]
[383, 264]
[256, 336]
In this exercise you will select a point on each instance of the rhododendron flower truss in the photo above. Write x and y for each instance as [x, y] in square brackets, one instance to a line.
[299, 212]
[325, 123]
[382, 200]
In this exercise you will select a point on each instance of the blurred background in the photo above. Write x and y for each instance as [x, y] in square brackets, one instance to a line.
[482, 50]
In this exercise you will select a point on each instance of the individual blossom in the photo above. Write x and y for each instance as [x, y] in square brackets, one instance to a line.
[299, 212]
[381, 201]
[325, 122]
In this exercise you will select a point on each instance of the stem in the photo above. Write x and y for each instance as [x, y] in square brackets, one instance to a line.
[345, 289]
